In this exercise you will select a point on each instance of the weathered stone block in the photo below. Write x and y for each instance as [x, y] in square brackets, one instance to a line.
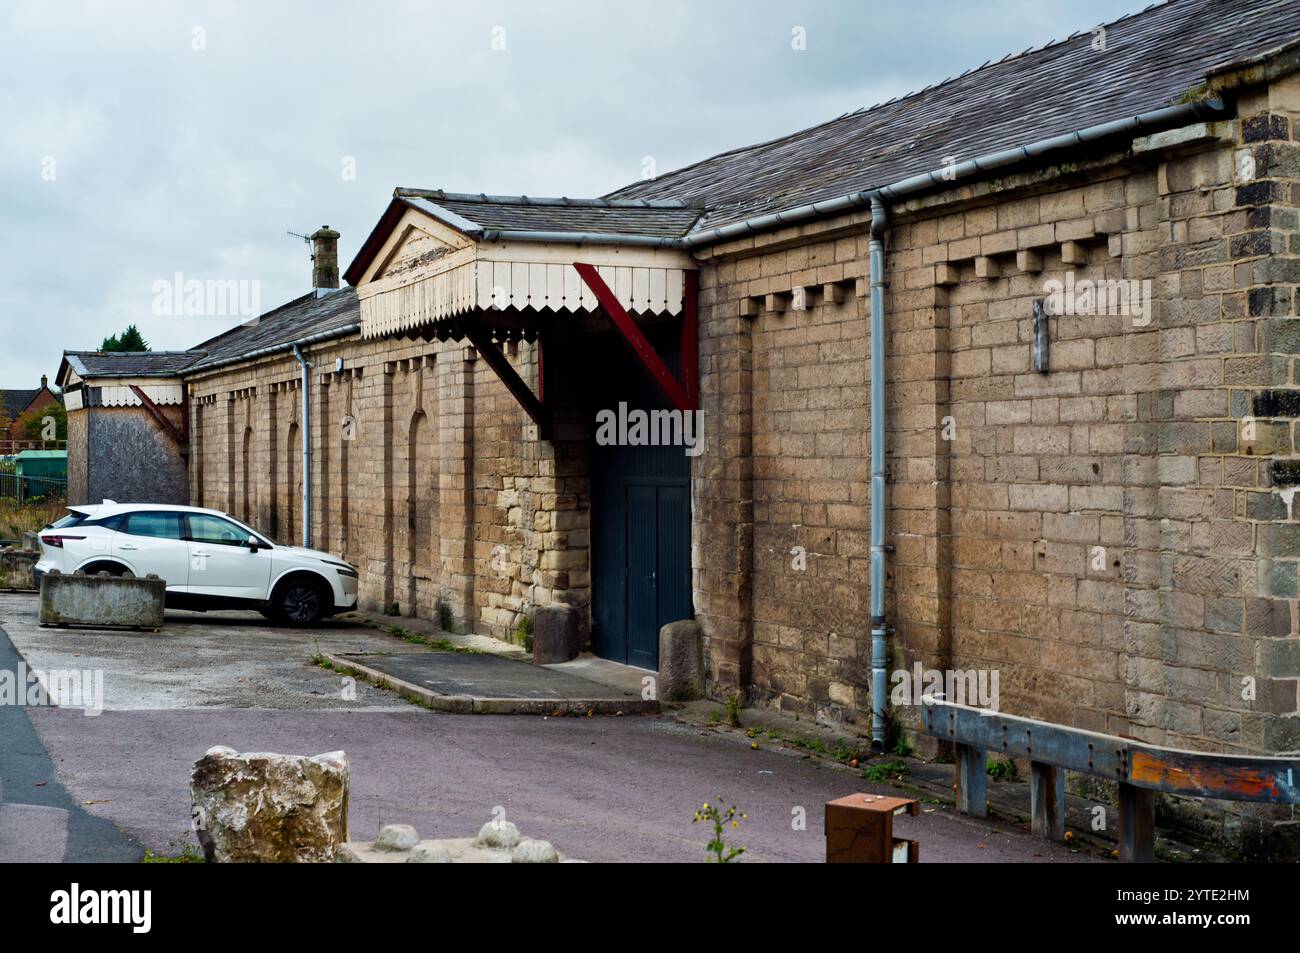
[555, 635]
[498, 834]
[270, 808]
[397, 837]
[498, 843]
[681, 661]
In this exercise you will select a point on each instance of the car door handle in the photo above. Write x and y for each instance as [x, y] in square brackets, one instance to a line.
[128, 546]
[198, 552]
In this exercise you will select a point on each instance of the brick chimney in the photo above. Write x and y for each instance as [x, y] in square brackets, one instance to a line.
[324, 258]
[45, 382]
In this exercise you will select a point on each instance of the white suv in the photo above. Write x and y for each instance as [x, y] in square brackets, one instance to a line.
[209, 559]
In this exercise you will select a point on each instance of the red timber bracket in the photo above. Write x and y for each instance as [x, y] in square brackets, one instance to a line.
[683, 395]
[533, 404]
[178, 434]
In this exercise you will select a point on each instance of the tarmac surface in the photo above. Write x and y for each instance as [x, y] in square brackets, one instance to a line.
[601, 789]
[39, 820]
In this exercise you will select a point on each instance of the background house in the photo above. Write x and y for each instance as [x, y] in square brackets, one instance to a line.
[15, 407]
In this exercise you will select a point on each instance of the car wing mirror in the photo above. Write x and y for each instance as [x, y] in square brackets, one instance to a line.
[253, 544]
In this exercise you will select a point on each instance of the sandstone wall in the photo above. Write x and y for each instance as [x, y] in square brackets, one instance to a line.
[427, 476]
[1108, 535]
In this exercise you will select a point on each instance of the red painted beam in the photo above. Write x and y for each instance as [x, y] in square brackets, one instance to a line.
[641, 347]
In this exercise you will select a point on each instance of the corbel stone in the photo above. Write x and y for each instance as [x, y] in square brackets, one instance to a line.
[832, 293]
[1073, 253]
[1029, 261]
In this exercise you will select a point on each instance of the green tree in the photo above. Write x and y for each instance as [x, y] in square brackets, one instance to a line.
[32, 423]
[129, 340]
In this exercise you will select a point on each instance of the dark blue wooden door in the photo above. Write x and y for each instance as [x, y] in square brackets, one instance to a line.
[642, 575]
[642, 560]
[641, 527]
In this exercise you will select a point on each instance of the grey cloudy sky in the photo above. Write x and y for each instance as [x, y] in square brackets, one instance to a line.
[129, 155]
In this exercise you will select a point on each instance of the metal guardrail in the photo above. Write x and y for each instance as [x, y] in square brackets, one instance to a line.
[15, 487]
[1139, 769]
[14, 446]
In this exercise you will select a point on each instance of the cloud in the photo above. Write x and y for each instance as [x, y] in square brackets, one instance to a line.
[192, 138]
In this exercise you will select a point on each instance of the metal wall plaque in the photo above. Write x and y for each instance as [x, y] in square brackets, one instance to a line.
[1042, 345]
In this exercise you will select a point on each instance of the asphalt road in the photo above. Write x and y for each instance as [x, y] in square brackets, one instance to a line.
[40, 822]
[601, 789]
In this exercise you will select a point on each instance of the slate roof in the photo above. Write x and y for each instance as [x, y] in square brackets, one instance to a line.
[128, 363]
[14, 402]
[1151, 59]
[303, 317]
[475, 214]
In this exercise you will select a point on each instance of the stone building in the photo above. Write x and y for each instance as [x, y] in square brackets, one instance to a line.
[1087, 260]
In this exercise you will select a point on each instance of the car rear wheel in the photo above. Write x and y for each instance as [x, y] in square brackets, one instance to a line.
[300, 602]
[109, 569]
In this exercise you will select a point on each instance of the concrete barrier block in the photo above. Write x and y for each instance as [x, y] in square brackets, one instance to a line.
[16, 568]
[681, 661]
[555, 635]
[102, 601]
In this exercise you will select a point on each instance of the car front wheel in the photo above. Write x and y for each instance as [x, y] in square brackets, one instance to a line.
[300, 603]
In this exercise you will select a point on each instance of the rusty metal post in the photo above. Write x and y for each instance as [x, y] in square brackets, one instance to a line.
[1047, 800]
[860, 830]
[972, 781]
[1137, 824]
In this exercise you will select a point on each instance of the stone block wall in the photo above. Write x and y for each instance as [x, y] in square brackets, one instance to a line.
[427, 475]
[1108, 536]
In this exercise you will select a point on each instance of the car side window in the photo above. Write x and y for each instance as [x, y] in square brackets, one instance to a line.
[215, 530]
[155, 525]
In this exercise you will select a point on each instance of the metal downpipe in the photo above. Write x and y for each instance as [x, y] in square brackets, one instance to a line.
[306, 447]
[879, 630]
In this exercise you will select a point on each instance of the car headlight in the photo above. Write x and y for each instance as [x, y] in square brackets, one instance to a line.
[343, 568]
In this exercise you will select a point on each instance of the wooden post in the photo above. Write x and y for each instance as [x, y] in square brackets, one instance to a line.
[972, 781]
[1047, 800]
[1137, 824]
